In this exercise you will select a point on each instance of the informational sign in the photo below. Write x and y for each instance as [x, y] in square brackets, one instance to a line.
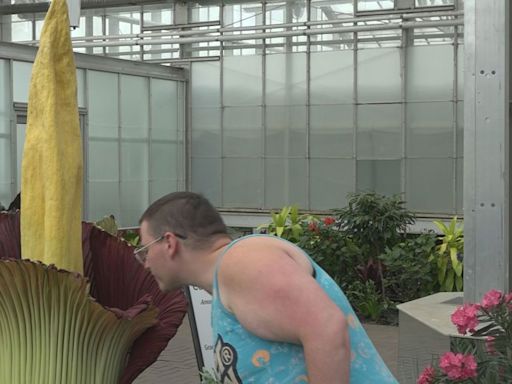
[200, 323]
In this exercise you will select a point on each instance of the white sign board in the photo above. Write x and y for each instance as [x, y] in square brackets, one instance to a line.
[201, 302]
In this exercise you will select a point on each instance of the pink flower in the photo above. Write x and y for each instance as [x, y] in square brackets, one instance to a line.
[427, 376]
[489, 345]
[329, 220]
[465, 318]
[313, 227]
[458, 366]
[491, 299]
[508, 297]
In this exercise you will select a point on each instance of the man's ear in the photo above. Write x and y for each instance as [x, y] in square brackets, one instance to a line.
[172, 245]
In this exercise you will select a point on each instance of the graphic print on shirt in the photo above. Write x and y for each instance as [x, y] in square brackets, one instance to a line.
[225, 362]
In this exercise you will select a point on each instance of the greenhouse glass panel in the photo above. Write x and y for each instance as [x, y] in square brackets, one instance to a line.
[374, 5]
[5, 98]
[459, 191]
[80, 85]
[206, 132]
[103, 200]
[285, 133]
[155, 15]
[102, 99]
[430, 185]
[165, 110]
[330, 182]
[430, 73]
[460, 72]
[285, 182]
[159, 188]
[286, 82]
[206, 178]
[378, 75]
[205, 84]
[165, 161]
[243, 132]
[242, 183]
[331, 131]
[433, 3]
[379, 131]
[21, 31]
[134, 161]
[134, 99]
[242, 80]
[460, 129]
[134, 201]
[430, 130]
[21, 74]
[103, 160]
[332, 75]
[380, 176]
[5, 171]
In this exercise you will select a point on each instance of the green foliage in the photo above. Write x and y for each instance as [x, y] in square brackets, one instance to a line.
[409, 273]
[448, 256]
[108, 224]
[366, 298]
[208, 377]
[287, 223]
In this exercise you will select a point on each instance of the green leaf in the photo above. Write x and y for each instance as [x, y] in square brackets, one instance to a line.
[279, 231]
[448, 283]
[456, 264]
[459, 283]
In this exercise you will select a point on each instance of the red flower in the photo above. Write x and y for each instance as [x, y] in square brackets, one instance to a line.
[427, 376]
[313, 227]
[329, 220]
[465, 318]
[458, 366]
[492, 299]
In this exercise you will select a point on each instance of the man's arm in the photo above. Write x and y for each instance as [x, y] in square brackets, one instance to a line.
[275, 298]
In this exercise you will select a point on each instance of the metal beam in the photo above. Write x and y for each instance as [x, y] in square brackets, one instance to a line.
[487, 259]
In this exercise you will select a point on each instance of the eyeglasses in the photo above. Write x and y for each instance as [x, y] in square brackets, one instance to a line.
[141, 252]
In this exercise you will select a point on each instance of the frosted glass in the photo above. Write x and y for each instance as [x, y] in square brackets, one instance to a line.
[205, 84]
[5, 160]
[429, 129]
[242, 183]
[429, 185]
[365, 5]
[243, 132]
[103, 160]
[21, 74]
[134, 201]
[206, 178]
[165, 109]
[134, 161]
[286, 79]
[5, 194]
[380, 176]
[460, 72]
[5, 97]
[378, 75]
[80, 88]
[332, 75]
[134, 100]
[330, 182]
[460, 129]
[332, 130]
[5, 126]
[459, 192]
[206, 133]
[103, 99]
[285, 182]
[429, 73]
[103, 200]
[165, 160]
[242, 80]
[159, 188]
[286, 131]
[379, 131]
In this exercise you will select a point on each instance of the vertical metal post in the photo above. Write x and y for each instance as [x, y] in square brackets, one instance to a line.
[486, 148]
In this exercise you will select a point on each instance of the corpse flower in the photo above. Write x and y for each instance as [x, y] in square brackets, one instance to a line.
[117, 291]
[75, 307]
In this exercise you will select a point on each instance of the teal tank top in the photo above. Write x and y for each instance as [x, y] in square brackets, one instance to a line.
[242, 357]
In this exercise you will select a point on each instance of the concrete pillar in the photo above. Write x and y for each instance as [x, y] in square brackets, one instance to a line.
[487, 259]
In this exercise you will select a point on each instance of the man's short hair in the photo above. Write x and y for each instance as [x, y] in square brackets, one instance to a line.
[187, 214]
